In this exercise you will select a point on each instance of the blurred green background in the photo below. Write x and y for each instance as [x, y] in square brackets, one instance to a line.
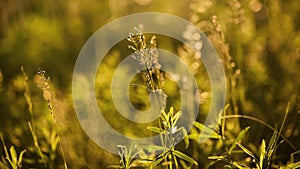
[257, 40]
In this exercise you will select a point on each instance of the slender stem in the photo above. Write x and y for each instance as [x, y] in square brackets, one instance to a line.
[31, 122]
[4, 145]
[36, 144]
[163, 140]
[175, 160]
[223, 129]
[284, 118]
[58, 134]
[263, 123]
[149, 73]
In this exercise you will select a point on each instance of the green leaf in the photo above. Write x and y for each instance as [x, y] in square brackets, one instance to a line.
[175, 160]
[198, 137]
[238, 139]
[228, 166]
[36, 143]
[13, 154]
[216, 158]
[164, 116]
[3, 166]
[273, 141]
[175, 118]
[171, 111]
[233, 163]
[155, 129]
[140, 163]
[292, 156]
[159, 159]
[184, 157]
[291, 166]
[205, 131]
[131, 150]
[270, 149]
[236, 164]
[262, 153]
[247, 151]
[113, 166]
[21, 158]
[184, 165]
[186, 137]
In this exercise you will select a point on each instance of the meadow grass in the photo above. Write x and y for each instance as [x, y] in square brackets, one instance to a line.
[258, 44]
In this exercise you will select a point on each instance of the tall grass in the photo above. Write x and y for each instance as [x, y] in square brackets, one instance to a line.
[257, 41]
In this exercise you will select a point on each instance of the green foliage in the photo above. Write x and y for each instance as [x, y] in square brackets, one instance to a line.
[257, 41]
[238, 139]
[168, 132]
[206, 132]
[128, 157]
[169, 155]
[15, 161]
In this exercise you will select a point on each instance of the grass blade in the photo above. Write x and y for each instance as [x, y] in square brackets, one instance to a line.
[2, 166]
[262, 153]
[159, 159]
[21, 158]
[184, 157]
[185, 138]
[175, 118]
[155, 129]
[233, 163]
[291, 166]
[14, 157]
[36, 144]
[238, 139]
[205, 131]
[247, 151]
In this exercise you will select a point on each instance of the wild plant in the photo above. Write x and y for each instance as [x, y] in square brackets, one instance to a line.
[43, 83]
[170, 133]
[45, 141]
[227, 138]
[263, 160]
[12, 159]
[228, 144]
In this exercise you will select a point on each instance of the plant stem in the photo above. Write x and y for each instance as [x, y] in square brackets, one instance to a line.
[263, 123]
